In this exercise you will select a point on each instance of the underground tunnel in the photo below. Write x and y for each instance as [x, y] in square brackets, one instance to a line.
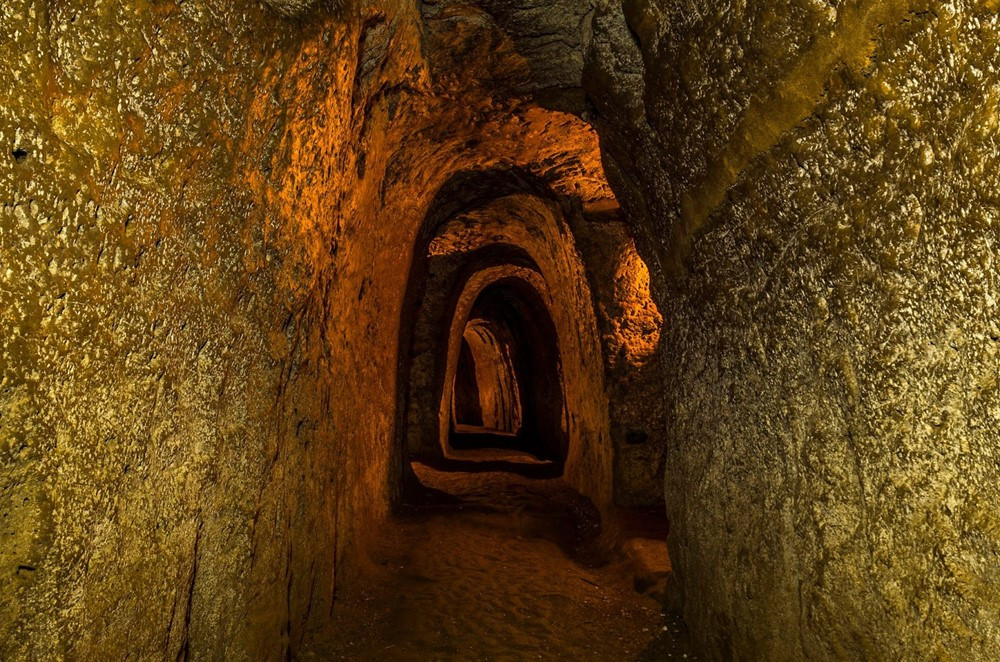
[507, 348]
[499, 329]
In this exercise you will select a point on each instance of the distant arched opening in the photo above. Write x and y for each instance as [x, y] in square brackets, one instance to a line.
[483, 228]
[486, 396]
[513, 343]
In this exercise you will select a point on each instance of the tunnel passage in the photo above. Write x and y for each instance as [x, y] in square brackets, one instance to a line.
[497, 265]
[226, 276]
[208, 220]
[522, 376]
[486, 395]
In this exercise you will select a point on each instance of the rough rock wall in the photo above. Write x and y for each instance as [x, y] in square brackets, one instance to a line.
[633, 351]
[551, 36]
[167, 241]
[816, 183]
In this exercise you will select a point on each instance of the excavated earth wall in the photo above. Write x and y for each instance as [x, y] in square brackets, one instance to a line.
[173, 462]
[815, 184]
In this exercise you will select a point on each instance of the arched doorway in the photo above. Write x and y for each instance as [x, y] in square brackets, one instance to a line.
[486, 396]
[488, 227]
[510, 325]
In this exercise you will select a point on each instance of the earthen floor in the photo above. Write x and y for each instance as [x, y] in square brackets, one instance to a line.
[495, 566]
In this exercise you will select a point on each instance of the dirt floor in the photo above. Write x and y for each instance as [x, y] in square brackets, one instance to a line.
[495, 566]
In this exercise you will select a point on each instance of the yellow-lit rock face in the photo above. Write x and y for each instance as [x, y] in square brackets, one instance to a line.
[637, 327]
[635, 354]
[164, 390]
[290, 7]
[816, 183]
[633, 348]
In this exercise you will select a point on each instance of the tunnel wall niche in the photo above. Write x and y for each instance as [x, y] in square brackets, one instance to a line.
[816, 190]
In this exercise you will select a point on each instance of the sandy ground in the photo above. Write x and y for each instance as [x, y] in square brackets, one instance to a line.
[495, 566]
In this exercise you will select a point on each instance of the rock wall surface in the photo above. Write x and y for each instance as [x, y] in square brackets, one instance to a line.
[209, 208]
[630, 324]
[166, 421]
[815, 187]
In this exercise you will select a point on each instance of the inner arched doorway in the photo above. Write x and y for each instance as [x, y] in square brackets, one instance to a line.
[495, 226]
[519, 382]
[486, 396]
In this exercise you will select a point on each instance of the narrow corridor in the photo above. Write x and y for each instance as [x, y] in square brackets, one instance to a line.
[422, 330]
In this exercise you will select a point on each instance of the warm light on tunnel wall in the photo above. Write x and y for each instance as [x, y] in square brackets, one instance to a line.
[637, 328]
[486, 396]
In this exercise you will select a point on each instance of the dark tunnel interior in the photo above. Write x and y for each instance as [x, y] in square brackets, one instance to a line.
[523, 386]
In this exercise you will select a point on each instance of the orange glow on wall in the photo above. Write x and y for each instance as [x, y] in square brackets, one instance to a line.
[637, 328]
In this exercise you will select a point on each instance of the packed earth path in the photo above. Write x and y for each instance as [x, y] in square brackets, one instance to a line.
[497, 566]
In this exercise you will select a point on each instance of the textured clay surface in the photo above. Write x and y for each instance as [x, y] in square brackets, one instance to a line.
[816, 184]
[217, 228]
